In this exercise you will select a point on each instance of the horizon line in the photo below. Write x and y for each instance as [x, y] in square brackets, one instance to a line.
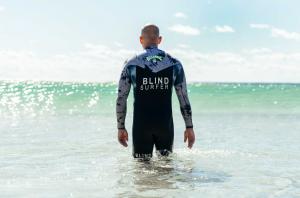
[115, 82]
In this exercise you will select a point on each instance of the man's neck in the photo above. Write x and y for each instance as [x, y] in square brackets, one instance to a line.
[151, 46]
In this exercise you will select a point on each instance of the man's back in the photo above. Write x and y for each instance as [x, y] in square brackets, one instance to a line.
[152, 74]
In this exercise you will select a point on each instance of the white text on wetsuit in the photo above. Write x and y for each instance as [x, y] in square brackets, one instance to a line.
[155, 83]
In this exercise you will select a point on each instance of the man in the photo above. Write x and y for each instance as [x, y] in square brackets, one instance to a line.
[153, 74]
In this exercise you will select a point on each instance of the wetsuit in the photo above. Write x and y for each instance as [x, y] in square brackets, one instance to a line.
[152, 73]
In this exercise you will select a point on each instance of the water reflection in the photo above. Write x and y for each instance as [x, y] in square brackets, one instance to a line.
[154, 174]
[162, 174]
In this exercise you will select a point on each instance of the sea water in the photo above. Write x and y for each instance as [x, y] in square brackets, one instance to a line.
[59, 139]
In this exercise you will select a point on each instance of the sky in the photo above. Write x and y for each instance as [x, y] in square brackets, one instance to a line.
[216, 40]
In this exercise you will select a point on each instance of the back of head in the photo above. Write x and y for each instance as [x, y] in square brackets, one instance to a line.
[150, 35]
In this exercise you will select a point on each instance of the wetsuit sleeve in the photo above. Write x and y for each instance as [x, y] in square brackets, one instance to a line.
[182, 95]
[123, 92]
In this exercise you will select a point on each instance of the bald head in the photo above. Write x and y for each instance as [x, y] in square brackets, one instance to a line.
[150, 31]
[150, 35]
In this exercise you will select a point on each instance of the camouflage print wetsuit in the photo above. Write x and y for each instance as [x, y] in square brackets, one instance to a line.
[152, 74]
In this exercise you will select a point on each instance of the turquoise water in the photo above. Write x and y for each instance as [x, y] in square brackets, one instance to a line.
[58, 139]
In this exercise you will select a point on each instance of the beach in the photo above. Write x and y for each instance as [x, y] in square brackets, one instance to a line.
[59, 139]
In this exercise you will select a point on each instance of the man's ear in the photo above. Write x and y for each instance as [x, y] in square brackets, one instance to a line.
[141, 39]
[159, 39]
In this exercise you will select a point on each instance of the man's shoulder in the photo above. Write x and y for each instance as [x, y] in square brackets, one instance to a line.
[173, 60]
[130, 59]
[134, 60]
[140, 58]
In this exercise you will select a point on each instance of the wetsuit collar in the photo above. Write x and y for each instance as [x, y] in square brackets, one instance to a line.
[152, 46]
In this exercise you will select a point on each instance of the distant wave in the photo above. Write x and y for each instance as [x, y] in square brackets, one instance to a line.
[29, 98]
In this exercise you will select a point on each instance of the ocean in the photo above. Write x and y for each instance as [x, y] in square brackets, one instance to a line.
[59, 139]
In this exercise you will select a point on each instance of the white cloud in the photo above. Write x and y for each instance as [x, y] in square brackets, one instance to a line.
[257, 50]
[260, 26]
[254, 65]
[100, 63]
[185, 29]
[224, 29]
[277, 32]
[118, 44]
[92, 63]
[183, 46]
[180, 15]
[281, 33]
[2, 8]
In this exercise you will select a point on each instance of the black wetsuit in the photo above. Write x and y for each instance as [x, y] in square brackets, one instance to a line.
[153, 74]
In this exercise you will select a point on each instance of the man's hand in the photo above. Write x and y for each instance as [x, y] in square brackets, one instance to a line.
[123, 137]
[190, 136]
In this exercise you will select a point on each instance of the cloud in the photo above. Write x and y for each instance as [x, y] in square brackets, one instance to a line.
[97, 63]
[281, 33]
[185, 29]
[180, 15]
[224, 29]
[251, 65]
[260, 26]
[277, 32]
[101, 63]
[118, 44]
[181, 45]
[2, 8]
[257, 51]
